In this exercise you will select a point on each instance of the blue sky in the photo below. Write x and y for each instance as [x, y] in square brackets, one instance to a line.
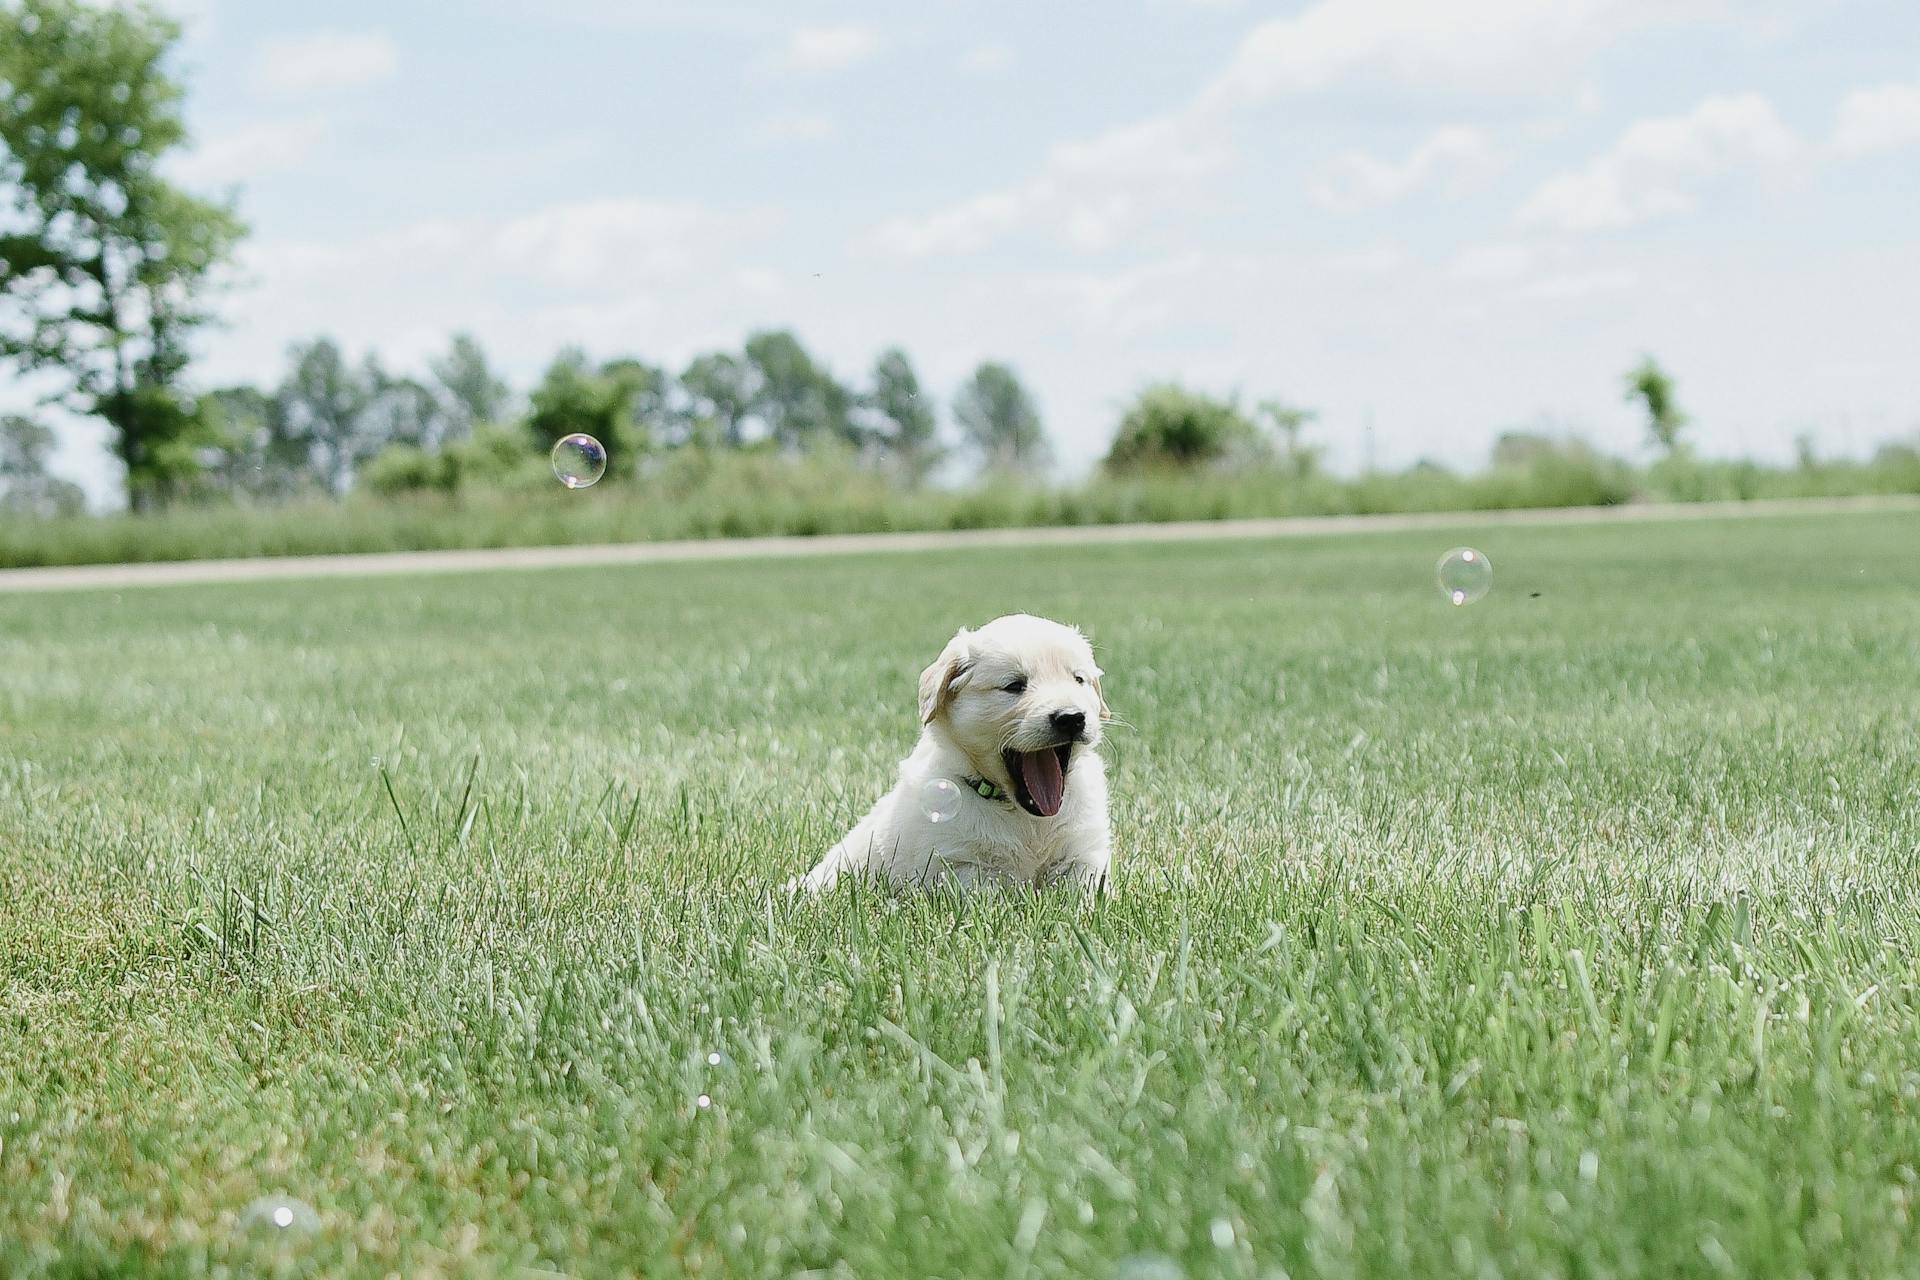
[1431, 222]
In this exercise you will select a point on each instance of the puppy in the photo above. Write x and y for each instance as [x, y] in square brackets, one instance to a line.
[1012, 715]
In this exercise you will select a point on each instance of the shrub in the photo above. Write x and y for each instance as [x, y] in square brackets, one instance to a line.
[1169, 426]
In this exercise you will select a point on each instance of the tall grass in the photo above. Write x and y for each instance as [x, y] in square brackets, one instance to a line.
[730, 495]
[1571, 934]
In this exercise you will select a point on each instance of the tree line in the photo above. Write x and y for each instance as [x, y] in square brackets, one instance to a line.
[331, 423]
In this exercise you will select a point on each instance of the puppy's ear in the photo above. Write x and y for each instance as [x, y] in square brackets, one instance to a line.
[1106, 712]
[939, 681]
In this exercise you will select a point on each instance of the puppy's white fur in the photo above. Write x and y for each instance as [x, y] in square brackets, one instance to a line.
[973, 709]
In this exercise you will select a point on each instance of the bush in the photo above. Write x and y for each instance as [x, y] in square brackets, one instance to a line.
[1171, 427]
[404, 468]
[1539, 471]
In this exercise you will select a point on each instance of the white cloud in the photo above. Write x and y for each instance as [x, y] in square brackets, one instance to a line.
[593, 245]
[324, 61]
[1376, 260]
[986, 59]
[598, 242]
[798, 127]
[1553, 271]
[1456, 157]
[1499, 263]
[1884, 118]
[1091, 196]
[1477, 45]
[255, 151]
[826, 50]
[1572, 286]
[1480, 45]
[1662, 167]
[620, 275]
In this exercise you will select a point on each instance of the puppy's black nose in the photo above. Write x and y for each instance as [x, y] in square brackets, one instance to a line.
[1071, 723]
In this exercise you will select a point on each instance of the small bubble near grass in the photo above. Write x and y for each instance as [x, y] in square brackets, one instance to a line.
[1465, 575]
[579, 461]
[280, 1216]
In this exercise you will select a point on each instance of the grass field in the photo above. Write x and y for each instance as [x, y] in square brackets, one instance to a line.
[1576, 933]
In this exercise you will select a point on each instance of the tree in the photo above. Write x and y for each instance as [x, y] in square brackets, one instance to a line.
[257, 459]
[720, 395]
[646, 391]
[1649, 384]
[474, 394]
[26, 486]
[1170, 426]
[907, 420]
[999, 420]
[573, 396]
[322, 408]
[104, 263]
[798, 400]
[402, 410]
[1288, 421]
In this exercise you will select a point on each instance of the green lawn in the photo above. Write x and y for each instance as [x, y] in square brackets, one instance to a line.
[1576, 933]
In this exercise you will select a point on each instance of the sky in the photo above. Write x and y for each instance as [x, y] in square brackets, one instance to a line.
[1431, 222]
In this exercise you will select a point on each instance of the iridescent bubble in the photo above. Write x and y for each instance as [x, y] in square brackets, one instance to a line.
[579, 460]
[703, 1101]
[714, 1059]
[280, 1215]
[1148, 1266]
[940, 800]
[1464, 575]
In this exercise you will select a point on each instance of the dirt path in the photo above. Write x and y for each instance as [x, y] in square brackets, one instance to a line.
[117, 576]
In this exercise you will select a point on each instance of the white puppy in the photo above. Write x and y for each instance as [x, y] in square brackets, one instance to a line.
[1011, 716]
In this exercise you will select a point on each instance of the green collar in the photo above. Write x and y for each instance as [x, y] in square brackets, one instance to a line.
[986, 790]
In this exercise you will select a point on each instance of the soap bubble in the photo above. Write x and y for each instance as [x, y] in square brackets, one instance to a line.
[579, 460]
[279, 1215]
[1148, 1266]
[1465, 575]
[940, 800]
[703, 1101]
[714, 1059]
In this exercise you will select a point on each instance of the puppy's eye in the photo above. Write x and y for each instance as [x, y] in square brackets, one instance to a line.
[1016, 685]
[1078, 678]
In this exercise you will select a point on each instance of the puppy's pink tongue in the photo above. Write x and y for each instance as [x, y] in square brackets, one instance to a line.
[1046, 781]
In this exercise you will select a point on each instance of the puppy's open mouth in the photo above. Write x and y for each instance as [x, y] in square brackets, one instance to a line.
[1040, 778]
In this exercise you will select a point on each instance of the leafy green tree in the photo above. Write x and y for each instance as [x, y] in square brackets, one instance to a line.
[999, 419]
[1650, 386]
[1170, 426]
[800, 402]
[908, 426]
[474, 393]
[322, 408]
[27, 487]
[574, 396]
[720, 396]
[647, 392]
[104, 264]
[255, 458]
[1288, 421]
[403, 410]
